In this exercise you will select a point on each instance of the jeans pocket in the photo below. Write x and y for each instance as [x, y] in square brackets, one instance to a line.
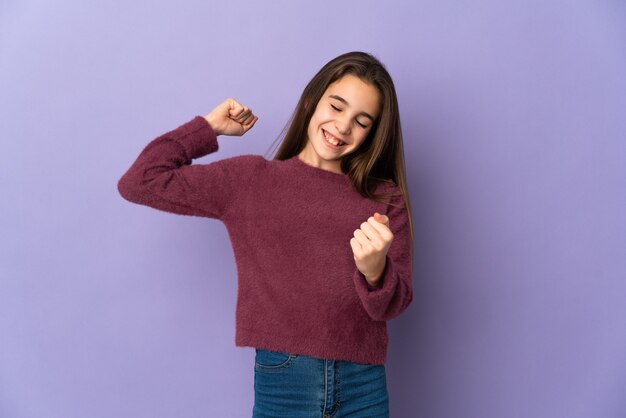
[269, 361]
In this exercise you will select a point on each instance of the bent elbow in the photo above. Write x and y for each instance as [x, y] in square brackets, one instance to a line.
[129, 189]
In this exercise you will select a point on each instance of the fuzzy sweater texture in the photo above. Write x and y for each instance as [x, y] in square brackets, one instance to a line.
[290, 226]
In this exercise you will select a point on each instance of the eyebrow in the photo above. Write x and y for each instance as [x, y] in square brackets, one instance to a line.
[344, 101]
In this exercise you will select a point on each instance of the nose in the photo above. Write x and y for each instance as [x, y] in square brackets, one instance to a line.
[343, 126]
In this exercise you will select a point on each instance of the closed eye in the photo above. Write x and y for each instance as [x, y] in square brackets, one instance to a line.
[336, 109]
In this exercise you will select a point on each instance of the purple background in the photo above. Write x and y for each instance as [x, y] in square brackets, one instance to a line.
[513, 113]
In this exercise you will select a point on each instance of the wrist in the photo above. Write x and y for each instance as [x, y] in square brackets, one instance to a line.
[374, 282]
[211, 121]
[375, 279]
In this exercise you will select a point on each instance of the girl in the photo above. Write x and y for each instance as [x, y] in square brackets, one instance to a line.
[322, 235]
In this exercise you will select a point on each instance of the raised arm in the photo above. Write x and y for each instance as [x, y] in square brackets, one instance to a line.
[162, 176]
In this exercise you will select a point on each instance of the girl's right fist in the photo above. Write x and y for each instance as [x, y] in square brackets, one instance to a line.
[231, 118]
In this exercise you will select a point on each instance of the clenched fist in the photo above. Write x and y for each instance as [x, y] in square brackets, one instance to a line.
[231, 118]
[370, 245]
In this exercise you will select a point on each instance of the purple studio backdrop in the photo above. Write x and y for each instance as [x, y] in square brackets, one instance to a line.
[513, 114]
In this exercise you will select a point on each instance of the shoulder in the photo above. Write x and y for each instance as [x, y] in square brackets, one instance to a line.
[250, 162]
[246, 159]
[391, 193]
[256, 169]
[386, 186]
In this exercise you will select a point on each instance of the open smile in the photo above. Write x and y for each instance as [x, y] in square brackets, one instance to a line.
[331, 140]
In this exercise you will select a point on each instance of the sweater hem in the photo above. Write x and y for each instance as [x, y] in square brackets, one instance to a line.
[304, 346]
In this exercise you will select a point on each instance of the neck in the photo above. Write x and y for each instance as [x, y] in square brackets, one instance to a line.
[332, 166]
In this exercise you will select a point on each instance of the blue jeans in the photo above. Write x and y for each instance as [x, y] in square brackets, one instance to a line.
[298, 386]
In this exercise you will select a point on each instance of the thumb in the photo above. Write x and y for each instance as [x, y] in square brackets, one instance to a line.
[383, 219]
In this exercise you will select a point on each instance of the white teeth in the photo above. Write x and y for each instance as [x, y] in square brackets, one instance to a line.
[332, 140]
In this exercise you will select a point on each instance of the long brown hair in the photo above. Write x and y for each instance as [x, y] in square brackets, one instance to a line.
[380, 158]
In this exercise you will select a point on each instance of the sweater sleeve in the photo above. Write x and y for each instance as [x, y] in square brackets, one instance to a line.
[162, 176]
[396, 292]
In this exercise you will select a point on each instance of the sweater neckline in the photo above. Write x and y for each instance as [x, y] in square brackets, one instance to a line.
[318, 172]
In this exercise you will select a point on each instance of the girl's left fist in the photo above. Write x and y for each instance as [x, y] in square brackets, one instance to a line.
[370, 245]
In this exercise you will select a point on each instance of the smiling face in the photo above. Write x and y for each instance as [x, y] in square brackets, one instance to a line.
[343, 118]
